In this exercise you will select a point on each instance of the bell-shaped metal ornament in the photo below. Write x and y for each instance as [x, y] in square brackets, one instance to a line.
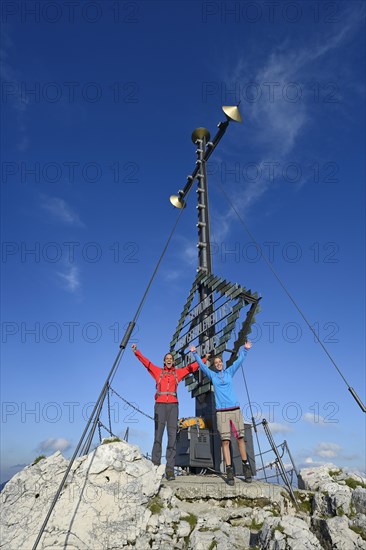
[232, 113]
[177, 201]
[199, 133]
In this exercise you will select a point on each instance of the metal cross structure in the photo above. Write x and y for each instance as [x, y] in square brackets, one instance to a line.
[211, 322]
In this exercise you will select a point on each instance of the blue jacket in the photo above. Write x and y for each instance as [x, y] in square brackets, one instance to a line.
[223, 381]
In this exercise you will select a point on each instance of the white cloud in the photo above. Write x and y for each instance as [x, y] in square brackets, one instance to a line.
[276, 427]
[330, 452]
[278, 124]
[51, 444]
[220, 228]
[327, 450]
[316, 419]
[309, 461]
[186, 251]
[60, 210]
[71, 278]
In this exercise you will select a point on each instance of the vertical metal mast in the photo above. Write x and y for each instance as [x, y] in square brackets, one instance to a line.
[205, 403]
[200, 137]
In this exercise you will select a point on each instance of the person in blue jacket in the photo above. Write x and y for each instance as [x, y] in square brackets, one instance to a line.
[228, 413]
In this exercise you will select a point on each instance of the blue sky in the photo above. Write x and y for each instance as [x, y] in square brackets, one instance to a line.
[98, 106]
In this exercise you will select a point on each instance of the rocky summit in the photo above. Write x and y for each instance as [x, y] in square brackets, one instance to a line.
[115, 498]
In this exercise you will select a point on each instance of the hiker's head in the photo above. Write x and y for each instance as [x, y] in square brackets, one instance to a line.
[218, 364]
[169, 360]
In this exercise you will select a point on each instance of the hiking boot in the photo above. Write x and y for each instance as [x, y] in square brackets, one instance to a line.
[229, 475]
[247, 471]
[169, 474]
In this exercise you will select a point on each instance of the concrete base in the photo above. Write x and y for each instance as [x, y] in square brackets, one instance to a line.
[187, 487]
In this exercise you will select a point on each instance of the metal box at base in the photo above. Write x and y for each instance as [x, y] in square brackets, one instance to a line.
[235, 453]
[194, 448]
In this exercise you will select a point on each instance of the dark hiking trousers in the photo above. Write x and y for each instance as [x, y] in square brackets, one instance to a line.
[165, 414]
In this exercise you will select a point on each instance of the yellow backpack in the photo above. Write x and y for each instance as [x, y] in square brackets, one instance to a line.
[191, 421]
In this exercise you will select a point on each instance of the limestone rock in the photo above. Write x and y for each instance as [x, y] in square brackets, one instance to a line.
[312, 479]
[285, 533]
[201, 540]
[359, 500]
[238, 536]
[183, 529]
[116, 499]
[209, 522]
[99, 507]
[359, 522]
[335, 501]
[335, 533]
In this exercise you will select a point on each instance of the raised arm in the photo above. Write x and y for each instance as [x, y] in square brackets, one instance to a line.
[240, 360]
[189, 369]
[153, 369]
[201, 364]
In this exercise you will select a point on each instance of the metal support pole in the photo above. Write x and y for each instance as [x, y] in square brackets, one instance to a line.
[204, 254]
[86, 448]
[94, 415]
[63, 481]
[205, 403]
[292, 460]
[111, 374]
[357, 399]
[281, 466]
[211, 145]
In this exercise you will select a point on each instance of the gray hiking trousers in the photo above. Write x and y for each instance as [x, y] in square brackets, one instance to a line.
[165, 414]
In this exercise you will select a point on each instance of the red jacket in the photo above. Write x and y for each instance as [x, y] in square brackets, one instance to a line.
[167, 380]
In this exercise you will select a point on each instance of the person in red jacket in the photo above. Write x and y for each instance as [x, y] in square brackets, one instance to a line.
[166, 405]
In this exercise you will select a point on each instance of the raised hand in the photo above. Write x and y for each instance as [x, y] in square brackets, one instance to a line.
[248, 344]
[192, 349]
[134, 347]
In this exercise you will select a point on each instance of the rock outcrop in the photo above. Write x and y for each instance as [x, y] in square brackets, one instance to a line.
[114, 498]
